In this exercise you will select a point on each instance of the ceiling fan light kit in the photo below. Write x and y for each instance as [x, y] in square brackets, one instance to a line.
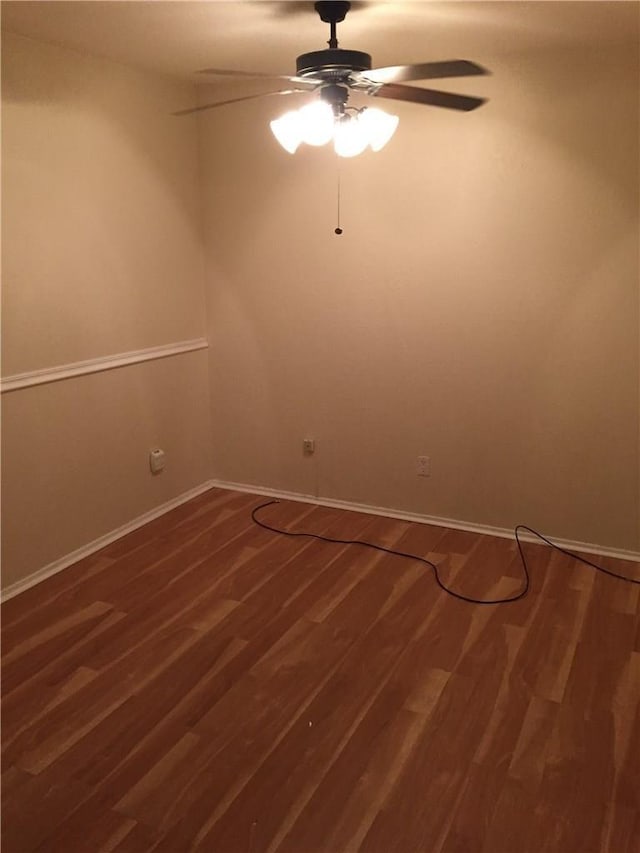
[336, 71]
[317, 124]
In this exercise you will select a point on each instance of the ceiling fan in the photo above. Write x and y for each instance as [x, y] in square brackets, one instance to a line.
[336, 72]
[351, 69]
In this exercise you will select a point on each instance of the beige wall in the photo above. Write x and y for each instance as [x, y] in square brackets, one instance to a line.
[481, 306]
[102, 254]
[76, 455]
[101, 233]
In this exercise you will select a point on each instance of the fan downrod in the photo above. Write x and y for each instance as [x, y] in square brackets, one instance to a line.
[333, 65]
[332, 13]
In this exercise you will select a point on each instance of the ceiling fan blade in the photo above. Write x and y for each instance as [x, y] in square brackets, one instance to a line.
[213, 104]
[431, 97]
[225, 72]
[424, 71]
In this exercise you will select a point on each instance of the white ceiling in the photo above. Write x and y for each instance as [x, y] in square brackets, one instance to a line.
[178, 38]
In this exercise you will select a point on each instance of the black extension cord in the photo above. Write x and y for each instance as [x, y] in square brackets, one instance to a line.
[433, 566]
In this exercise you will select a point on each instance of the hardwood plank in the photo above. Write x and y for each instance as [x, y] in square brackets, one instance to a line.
[29, 695]
[125, 743]
[52, 592]
[139, 839]
[139, 799]
[235, 747]
[530, 754]
[33, 812]
[48, 738]
[467, 825]
[512, 825]
[26, 713]
[426, 692]
[26, 621]
[206, 684]
[440, 762]
[344, 804]
[173, 552]
[297, 766]
[90, 827]
[383, 766]
[50, 641]
[622, 834]
[598, 667]
[498, 740]
[627, 791]
[577, 783]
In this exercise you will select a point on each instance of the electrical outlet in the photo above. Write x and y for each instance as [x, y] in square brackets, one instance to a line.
[309, 446]
[156, 460]
[423, 467]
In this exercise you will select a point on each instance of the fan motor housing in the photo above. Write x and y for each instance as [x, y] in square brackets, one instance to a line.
[332, 64]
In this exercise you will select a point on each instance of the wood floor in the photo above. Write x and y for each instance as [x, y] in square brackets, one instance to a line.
[203, 684]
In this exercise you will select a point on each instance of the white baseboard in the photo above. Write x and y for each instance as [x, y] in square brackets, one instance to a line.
[504, 533]
[471, 527]
[68, 560]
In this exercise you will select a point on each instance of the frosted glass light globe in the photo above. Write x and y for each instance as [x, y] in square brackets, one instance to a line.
[316, 123]
[287, 130]
[379, 126]
[350, 137]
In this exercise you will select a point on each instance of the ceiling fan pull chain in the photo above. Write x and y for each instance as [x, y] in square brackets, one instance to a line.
[338, 229]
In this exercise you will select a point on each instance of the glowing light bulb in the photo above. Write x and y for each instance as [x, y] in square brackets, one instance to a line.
[288, 131]
[379, 126]
[350, 137]
[316, 123]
